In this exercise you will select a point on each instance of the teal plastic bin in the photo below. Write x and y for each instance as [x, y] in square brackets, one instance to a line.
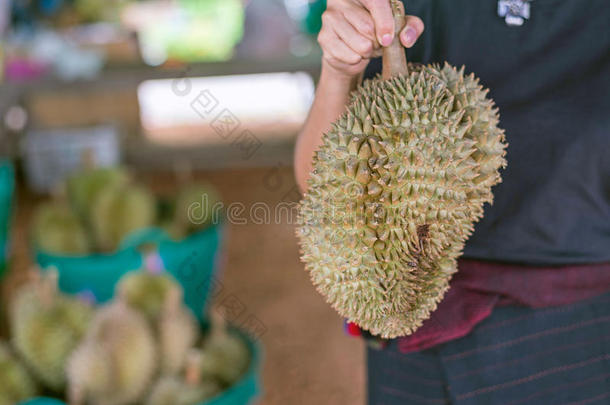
[43, 401]
[193, 261]
[247, 390]
[7, 189]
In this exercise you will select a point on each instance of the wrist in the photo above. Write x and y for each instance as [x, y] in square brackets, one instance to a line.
[329, 76]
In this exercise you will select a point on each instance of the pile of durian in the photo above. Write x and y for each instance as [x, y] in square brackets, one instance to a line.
[145, 347]
[396, 187]
[97, 208]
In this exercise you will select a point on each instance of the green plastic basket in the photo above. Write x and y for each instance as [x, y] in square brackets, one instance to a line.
[194, 262]
[7, 189]
[247, 390]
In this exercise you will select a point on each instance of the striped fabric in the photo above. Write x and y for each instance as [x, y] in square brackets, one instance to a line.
[518, 355]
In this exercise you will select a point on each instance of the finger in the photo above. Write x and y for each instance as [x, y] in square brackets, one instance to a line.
[414, 27]
[353, 39]
[335, 47]
[382, 17]
[362, 21]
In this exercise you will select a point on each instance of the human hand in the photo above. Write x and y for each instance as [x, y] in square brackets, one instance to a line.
[354, 31]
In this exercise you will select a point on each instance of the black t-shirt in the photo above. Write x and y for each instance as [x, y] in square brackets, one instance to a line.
[550, 78]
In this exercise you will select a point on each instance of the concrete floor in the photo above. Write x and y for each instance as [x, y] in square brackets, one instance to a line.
[308, 358]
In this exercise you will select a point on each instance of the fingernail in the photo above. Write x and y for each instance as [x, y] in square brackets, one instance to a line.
[386, 39]
[409, 36]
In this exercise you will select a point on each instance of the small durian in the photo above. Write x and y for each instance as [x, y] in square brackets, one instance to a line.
[224, 355]
[177, 332]
[396, 186]
[84, 186]
[197, 206]
[118, 211]
[146, 292]
[117, 360]
[46, 327]
[190, 390]
[57, 230]
[16, 385]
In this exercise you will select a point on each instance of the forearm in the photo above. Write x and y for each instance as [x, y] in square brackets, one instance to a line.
[331, 98]
[353, 32]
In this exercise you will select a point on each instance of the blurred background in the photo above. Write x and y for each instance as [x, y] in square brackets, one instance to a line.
[178, 94]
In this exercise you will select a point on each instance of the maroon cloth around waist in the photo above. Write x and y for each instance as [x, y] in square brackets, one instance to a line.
[479, 286]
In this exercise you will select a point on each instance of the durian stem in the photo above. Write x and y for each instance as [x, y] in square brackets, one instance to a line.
[49, 287]
[394, 59]
[219, 324]
[75, 395]
[193, 368]
[173, 301]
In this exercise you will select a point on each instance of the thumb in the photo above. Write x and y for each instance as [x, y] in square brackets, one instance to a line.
[414, 27]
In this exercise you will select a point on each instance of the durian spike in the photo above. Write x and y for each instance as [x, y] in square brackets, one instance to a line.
[192, 373]
[394, 60]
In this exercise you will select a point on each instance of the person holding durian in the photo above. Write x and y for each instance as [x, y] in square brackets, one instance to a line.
[506, 302]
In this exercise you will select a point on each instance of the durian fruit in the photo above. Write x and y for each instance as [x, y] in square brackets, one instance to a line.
[84, 186]
[190, 390]
[396, 186]
[197, 206]
[118, 211]
[46, 327]
[16, 385]
[117, 360]
[178, 332]
[225, 355]
[146, 292]
[56, 229]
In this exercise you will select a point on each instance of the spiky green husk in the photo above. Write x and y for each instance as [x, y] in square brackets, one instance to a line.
[118, 211]
[197, 207]
[116, 362]
[46, 327]
[84, 186]
[175, 391]
[396, 187]
[146, 292]
[16, 385]
[224, 356]
[159, 298]
[56, 229]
